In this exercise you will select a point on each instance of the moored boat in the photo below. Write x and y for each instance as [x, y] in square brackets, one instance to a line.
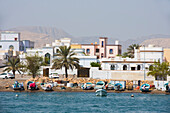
[47, 86]
[110, 86]
[18, 86]
[118, 87]
[145, 88]
[87, 86]
[31, 85]
[167, 87]
[101, 92]
[100, 85]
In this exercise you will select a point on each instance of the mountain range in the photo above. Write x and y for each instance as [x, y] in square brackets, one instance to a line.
[42, 35]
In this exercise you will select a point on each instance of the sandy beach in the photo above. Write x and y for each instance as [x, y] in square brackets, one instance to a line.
[6, 86]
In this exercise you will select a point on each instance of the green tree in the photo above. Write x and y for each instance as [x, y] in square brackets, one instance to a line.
[65, 59]
[95, 64]
[131, 51]
[159, 70]
[33, 64]
[13, 64]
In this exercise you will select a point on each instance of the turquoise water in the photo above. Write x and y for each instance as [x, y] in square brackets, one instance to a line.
[71, 102]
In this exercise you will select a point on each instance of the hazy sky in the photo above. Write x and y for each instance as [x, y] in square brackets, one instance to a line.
[122, 19]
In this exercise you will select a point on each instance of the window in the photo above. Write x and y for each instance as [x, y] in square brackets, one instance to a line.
[57, 50]
[101, 55]
[11, 47]
[124, 67]
[102, 43]
[97, 50]
[111, 51]
[0, 46]
[138, 67]
[112, 67]
[88, 51]
[47, 58]
[15, 39]
[133, 68]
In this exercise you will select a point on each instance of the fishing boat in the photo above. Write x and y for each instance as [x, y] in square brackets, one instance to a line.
[31, 85]
[167, 87]
[145, 88]
[101, 92]
[87, 86]
[118, 87]
[110, 86]
[100, 85]
[18, 86]
[47, 86]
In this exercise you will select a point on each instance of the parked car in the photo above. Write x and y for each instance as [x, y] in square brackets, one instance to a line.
[54, 75]
[7, 75]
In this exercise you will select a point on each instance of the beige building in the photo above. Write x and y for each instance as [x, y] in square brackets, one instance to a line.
[167, 54]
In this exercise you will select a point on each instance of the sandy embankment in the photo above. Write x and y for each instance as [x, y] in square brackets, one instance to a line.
[5, 86]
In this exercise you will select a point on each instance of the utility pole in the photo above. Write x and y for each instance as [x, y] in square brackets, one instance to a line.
[144, 64]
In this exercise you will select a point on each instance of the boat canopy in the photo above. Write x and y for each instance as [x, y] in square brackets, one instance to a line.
[100, 83]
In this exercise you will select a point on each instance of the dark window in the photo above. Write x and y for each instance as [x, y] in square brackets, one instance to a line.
[111, 51]
[112, 67]
[97, 50]
[124, 67]
[15, 39]
[88, 51]
[133, 68]
[101, 55]
[57, 50]
[102, 43]
[0, 46]
[138, 67]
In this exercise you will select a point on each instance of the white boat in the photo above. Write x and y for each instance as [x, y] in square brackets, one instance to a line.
[100, 85]
[101, 92]
[47, 86]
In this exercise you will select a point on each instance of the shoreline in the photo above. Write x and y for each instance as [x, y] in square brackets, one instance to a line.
[56, 89]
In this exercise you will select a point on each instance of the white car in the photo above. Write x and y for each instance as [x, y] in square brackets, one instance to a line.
[7, 75]
[54, 75]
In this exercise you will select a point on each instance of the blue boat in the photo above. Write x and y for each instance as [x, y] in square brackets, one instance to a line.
[167, 87]
[100, 85]
[118, 87]
[18, 86]
[145, 88]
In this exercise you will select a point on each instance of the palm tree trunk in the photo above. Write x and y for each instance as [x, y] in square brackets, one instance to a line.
[13, 72]
[66, 71]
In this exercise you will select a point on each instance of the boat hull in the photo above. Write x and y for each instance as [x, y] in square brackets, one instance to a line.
[101, 92]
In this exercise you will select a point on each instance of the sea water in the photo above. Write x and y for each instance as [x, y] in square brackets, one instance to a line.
[75, 102]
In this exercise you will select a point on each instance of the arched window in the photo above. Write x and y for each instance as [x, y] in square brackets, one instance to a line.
[57, 50]
[102, 43]
[138, 67]
[112, 67]
[88, 51]
[124, 67]
[47, 58]
[11, 47]
[111, 51]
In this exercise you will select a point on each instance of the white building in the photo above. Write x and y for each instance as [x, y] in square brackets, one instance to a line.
[136, 68]
[50, 50]
[11, 41]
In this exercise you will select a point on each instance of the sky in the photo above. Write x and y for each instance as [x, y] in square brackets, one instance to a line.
[121, 19]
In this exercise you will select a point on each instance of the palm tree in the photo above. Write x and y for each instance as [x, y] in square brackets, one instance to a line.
[65, 59]
[13, 64]
[131, 50]
[159, 70]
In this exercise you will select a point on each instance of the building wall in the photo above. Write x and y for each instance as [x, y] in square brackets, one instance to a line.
[167, 54]
[5, 45]
[91, 47]
[10, 36]
[115, 51]
[118, 75]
